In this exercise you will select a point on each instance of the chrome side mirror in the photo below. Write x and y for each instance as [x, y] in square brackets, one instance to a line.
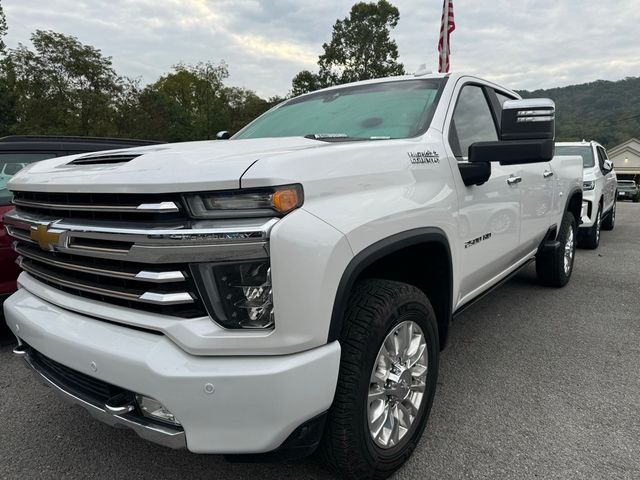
[607, 165]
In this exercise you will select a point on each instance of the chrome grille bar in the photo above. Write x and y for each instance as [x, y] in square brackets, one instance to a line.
[149, 276]
[173, 298]
[161, 207]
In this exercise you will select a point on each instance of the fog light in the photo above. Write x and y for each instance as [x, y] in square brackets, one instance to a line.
[152, 408]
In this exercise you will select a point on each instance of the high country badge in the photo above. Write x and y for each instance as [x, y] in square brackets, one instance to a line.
[428, 156]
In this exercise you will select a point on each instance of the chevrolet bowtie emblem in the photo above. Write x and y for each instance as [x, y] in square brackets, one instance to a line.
[47, 239]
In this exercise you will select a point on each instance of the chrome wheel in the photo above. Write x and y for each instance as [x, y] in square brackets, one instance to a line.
[598, 226]
[569, 251]
[398, 384]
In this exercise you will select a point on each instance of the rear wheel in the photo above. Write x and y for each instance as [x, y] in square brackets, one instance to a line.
[387, 380]
[554, 268]
[591, 238]
[610, 221]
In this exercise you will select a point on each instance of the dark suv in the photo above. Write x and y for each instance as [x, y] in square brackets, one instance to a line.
[18, 151]
[627, 190]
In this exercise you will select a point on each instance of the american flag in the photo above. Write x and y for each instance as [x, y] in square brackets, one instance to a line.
[448, 25]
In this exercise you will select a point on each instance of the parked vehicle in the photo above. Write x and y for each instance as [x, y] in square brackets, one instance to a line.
[292, 287]
[18, 151]
[627, 190]
[599, 190]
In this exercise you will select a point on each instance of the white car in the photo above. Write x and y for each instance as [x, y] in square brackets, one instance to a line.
[290, 288]
[599, 190]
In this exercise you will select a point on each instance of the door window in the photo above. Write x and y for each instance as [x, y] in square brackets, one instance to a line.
[472, 121]
[602, 156]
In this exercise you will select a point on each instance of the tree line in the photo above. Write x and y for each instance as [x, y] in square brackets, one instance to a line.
[59, 86]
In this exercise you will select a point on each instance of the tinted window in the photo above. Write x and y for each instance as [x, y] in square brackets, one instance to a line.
[12, 163]
[586, 152]
[472, 121]
[381, 110]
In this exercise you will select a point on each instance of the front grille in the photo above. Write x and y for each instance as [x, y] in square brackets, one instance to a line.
[102, 206]
[109, 248]
[116, 282]
[91, 389]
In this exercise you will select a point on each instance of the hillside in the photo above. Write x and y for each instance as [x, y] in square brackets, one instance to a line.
[608, 112]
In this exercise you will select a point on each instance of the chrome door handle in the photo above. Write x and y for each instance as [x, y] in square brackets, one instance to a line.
[547, 174]
[513, 180]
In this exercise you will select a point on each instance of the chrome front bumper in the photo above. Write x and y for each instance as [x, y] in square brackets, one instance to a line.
[168, 437]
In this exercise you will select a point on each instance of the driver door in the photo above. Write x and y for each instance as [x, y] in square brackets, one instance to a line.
[489, 215]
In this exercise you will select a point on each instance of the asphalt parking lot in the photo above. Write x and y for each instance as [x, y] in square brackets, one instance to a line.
[535, 383]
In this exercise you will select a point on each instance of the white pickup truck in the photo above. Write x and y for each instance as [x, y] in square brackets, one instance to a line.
[292, 287]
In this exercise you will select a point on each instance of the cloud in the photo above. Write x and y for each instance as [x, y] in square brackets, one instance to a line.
[521, 44]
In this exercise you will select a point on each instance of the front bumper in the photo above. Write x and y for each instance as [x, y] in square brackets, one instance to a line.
[254, 405]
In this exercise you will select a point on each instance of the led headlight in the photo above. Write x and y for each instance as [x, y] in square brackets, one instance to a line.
[588, 185]
[260, 202]
[237, 295]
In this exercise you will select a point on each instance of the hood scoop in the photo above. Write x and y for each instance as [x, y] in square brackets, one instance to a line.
[105, 159]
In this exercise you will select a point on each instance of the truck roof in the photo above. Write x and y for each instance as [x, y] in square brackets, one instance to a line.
[417, 76]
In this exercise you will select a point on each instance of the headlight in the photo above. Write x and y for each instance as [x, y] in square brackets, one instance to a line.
[588, 185]
[237, 295]
[261, 202]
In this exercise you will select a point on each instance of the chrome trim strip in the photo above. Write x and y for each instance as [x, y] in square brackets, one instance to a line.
[206, 241]
[13, 232]
[161, 207]
[155, 433]
[147, 297]
[155, 277]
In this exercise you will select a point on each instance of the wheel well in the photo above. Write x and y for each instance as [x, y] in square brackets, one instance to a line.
[424, 264]
[575, 205]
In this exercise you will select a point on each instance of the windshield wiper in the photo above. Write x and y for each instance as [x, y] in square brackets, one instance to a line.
[340, 137]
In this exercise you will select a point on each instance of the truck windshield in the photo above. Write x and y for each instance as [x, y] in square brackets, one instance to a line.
[399, 109]
[586, 152]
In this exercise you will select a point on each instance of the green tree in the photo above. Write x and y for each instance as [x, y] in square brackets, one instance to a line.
[3, 29]
[304, 82]
[189, 103]
[361, 48]
[63, 87]
[7, 84]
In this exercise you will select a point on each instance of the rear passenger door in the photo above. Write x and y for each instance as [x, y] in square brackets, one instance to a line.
[489, 214]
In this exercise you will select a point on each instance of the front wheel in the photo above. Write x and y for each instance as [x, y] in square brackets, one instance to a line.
[554, 268]
[387, 380]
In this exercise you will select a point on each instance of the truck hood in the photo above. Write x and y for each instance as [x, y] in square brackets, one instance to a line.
[179, 167]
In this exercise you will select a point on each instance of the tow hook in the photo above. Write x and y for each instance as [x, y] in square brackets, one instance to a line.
[120, 404]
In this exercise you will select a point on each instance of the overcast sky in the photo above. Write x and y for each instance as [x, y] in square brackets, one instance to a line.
[518, 43]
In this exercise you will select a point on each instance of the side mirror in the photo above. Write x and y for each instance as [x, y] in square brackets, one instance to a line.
[223, 135]
[607, 165]
[526, 134]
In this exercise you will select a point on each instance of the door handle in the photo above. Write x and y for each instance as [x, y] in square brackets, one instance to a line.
[547, 174]
[512, 180]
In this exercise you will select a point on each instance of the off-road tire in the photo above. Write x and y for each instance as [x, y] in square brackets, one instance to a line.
[550, 265]
[610, 220]
[376, 307]
[591, 237]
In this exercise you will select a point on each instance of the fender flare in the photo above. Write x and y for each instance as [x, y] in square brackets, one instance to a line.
[572, 192]
[377, 251]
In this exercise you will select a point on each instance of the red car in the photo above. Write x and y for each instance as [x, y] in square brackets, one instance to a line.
[18, 151]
